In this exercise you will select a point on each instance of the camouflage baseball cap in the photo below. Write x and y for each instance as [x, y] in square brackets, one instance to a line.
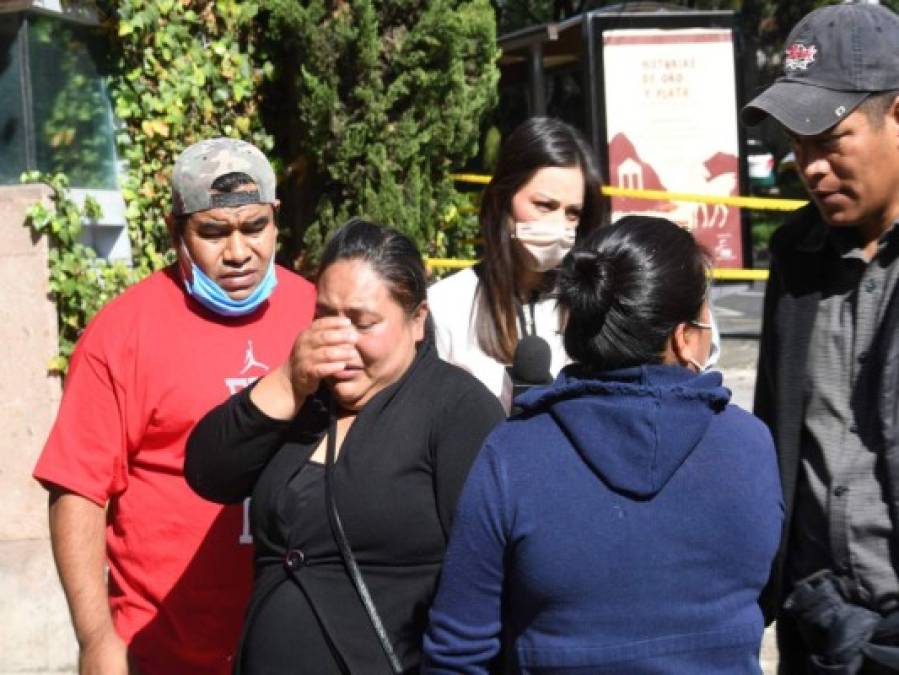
[197, 168]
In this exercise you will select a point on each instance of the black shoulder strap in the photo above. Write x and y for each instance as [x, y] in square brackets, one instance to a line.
[346, 551]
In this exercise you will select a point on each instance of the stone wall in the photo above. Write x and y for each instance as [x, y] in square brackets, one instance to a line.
[35, 632]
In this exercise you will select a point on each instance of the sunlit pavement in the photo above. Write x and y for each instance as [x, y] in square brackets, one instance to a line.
[738, 311]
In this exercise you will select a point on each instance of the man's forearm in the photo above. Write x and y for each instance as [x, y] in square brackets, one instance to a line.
[78, 534]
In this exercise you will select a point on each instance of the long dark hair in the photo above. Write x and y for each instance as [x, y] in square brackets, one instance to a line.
[537, 143]
[626, 287]
[391, 254]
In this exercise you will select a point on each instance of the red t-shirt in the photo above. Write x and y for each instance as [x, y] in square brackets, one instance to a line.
[148, 366]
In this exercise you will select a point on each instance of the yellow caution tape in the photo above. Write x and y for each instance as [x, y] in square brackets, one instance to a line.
[475, 178]
[753, 203]
[722, 273]
[448, 263]
[730, 274]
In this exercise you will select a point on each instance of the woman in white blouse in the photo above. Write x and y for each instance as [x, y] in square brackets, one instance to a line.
[544, 193]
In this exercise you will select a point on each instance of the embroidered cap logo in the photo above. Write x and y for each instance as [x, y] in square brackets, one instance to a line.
[798, 56]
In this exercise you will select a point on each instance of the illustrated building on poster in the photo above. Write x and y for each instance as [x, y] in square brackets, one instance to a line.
[671, 122]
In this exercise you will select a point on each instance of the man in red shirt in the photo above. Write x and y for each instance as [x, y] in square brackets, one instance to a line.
[148, 366]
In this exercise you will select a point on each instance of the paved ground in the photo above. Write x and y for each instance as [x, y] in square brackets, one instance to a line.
[738, 311]
[738, 308]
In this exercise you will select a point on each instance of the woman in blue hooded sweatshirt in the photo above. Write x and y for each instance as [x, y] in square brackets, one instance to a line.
[625, 522]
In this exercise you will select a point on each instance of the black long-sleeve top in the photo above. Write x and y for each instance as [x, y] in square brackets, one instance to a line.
[396, 482]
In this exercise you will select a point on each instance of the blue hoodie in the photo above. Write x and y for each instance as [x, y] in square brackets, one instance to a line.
[620, 524]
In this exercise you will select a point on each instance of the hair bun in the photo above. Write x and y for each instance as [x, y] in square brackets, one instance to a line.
[584, 285]
[586, 266]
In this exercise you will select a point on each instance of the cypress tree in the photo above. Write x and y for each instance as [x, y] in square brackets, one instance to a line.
[374, 104]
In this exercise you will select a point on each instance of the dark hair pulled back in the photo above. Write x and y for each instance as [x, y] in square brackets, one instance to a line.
[626, 287]
[391, 254]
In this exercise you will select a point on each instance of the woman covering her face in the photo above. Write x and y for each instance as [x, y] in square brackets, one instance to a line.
[354, 453]
[543, 195]
[626, 521]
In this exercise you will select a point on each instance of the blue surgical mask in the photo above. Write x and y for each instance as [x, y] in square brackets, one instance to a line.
[209, 294]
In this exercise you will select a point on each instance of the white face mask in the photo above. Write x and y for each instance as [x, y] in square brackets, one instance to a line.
[546, 242]
[700, 368]
[714, 345]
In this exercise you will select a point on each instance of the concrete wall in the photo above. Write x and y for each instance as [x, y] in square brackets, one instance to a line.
[35, 632]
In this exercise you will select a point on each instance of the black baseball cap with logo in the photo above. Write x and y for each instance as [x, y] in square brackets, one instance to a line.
[834, 58]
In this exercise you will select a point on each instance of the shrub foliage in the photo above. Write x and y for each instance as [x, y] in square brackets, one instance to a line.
[375, 104]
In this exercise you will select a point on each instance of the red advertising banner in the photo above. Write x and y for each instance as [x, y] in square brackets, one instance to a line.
[671, 119]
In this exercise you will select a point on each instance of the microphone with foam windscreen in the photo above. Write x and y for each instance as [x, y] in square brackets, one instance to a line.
[530, 366]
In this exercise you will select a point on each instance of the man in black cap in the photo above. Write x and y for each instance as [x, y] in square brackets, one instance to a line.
[827, 383]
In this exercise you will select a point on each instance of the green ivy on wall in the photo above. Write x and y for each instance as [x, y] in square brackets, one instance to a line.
[80, 282]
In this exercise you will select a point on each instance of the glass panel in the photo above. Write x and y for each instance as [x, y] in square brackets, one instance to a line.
[513, 106]
[564, 96]
[12, 122]
[72, 115]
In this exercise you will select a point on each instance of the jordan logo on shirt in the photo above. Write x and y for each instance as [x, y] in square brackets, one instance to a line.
[235, 384]
[250, 359]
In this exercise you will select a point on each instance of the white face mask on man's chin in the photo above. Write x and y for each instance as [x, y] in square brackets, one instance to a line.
[545, 243]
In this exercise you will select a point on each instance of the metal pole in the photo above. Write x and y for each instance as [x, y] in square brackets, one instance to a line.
[538, 83]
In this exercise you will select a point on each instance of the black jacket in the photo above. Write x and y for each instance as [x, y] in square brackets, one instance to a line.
[799, 261]
[396, 481]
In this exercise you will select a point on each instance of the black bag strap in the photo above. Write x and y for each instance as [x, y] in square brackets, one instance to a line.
[346, 551]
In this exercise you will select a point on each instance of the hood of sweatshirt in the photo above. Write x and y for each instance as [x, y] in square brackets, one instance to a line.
[634, 427]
